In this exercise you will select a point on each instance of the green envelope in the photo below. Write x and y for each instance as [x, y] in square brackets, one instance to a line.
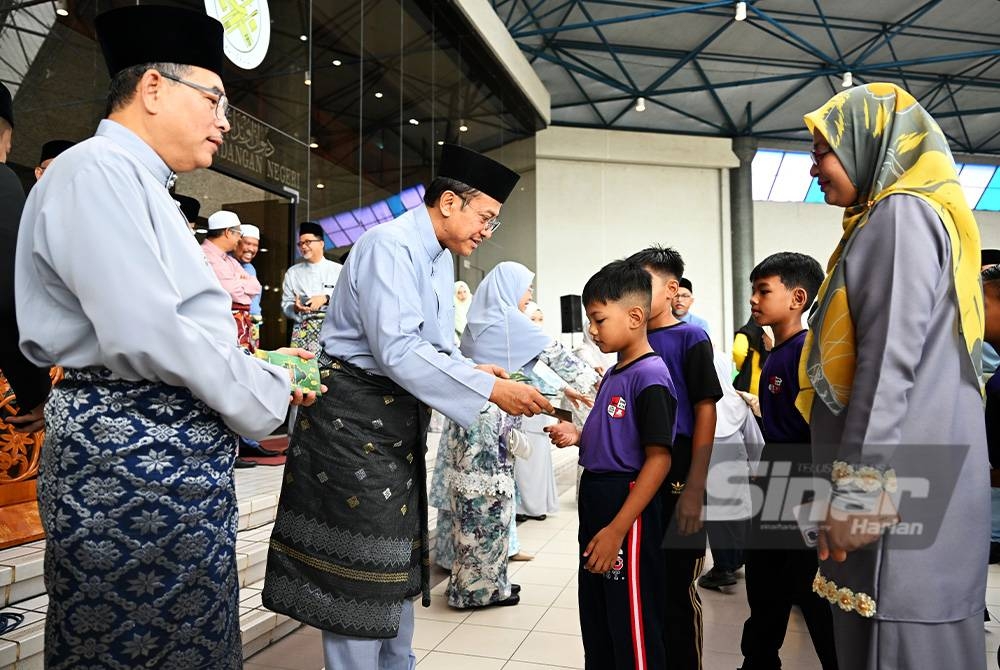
[559, 413]
[305, 372]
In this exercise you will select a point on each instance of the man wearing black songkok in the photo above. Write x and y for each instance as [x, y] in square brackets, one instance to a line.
[349, 547]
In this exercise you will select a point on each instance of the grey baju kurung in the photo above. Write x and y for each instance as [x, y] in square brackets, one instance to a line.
[915, 407]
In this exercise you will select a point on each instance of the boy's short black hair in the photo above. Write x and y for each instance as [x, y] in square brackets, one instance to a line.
[991, 277]
[617, 280]
[686, 283]
[794, 270]
[661, 260]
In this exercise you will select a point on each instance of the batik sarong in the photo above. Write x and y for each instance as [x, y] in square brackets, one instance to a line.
[256, 320]
[349, 544]
[244, 327]
[136, 495]
[305, 334]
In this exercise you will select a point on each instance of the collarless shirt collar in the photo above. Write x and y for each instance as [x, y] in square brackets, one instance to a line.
[429, 239]
[144, 153]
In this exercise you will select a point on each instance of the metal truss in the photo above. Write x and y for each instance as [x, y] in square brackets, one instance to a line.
[24, 26]
[700, 71]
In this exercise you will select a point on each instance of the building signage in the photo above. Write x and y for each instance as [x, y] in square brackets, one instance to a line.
[249, 145]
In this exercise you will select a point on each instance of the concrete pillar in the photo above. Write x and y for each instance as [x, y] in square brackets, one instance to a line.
[741, 217]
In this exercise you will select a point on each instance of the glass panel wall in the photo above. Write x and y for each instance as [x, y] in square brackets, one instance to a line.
[338, 108]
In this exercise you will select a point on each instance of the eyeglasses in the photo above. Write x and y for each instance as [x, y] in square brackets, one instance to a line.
[305, 243]
[221, 102]
[237, 231]
[817, 156]
[490, 223]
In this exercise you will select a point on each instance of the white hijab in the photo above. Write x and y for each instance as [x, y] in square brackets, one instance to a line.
[591, 354]
[462, 306]
[497, 331]
[731, 411]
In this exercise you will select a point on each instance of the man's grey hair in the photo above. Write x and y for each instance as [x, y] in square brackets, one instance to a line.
[123, 85]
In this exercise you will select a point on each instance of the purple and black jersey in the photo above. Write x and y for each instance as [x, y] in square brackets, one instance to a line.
[687, 351]
[779, 386]
[634, 408]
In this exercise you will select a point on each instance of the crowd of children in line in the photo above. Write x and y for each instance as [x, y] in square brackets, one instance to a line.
[646, 450]
[805, 496]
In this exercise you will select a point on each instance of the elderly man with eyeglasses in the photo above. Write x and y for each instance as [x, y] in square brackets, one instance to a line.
[305, 293]
[349, 548]
[135, 485]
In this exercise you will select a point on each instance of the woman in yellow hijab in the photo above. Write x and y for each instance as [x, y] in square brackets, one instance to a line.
[890, 385]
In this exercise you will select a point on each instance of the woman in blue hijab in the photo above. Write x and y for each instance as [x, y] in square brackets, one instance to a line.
[473, 483]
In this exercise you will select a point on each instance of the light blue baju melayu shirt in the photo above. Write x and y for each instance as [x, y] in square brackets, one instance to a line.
[255, 301]
[696, 320]
[108, 274]
[392, 313]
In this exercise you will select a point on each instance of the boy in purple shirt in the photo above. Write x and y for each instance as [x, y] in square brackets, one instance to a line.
[687, 351]
[780, 566]
[625, 452]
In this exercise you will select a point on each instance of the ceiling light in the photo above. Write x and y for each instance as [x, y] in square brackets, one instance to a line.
[440, 143]
[303, 38]
[320, 185]
[61, 8]
[308, 80]
[378, 94]
[414, 122]
[848, 80]
[200, 231]
[263, 251]
[640, 104]
[741, 11]
[313, 144]
[337, 62]
[463, 128]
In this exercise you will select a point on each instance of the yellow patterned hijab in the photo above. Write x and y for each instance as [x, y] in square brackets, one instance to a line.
[888, 144]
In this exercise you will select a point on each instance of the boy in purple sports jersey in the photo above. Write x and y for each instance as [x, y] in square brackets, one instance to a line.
[625, 452]
[687, 351]
[780, 566]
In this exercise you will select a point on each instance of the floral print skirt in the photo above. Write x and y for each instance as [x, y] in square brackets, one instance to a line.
[479, 531]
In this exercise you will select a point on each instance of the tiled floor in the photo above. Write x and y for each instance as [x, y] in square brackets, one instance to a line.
[542, 633]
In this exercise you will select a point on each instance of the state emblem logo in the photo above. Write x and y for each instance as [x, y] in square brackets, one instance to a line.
[774, 384]
[247, 29]
[616, 408]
